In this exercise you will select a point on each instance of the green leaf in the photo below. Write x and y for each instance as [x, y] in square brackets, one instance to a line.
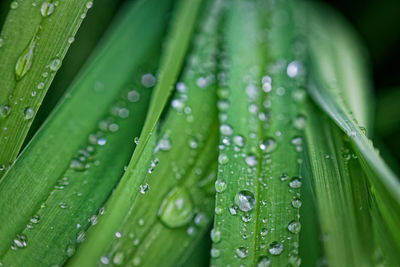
[34, 41]
[127, 191]
[259, 160]
[70, 167]
[340, 95]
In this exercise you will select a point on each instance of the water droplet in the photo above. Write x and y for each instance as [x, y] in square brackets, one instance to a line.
[164, 144]
[118, 235]
[294, 227]
[181, 87]
[223, 159]
[220, 186]
[136, 261]
[20, 241]
[264, 262]
[77, 165]
[218, 210]
[5, 110]
[55, 64]
[104, 260]
[251, 160]
[1, 42]
[201, 219]
[233, 209]
[118, 258]
[89, 4]
[296, 203]
[225, 129]
[148, 80]
[47, 9]
[71, 39]
[264, 232]
[284, 177]
[176, 209]
[275, 248]
[245, 200]
[241, 252]
[28, 113]
[268, 145]
[238, 140]
[133, 96]
[25, 60]
[293, 69]
[300, 122]
[295, 182]
[14, 5]
[215, 253]
[215, 235]
[144, 188]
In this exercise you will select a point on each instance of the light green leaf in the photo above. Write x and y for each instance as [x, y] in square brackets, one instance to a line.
[32, 48]
[70, 167]
[127, 191]
[259, 160]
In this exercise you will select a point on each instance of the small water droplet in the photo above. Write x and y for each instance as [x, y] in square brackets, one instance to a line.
[241, 252]
[251, 160]
[293, 69]
[294, 227]
[5, 110]
[133, 96]
[275, 248]
[144, 188]
[55, 64]
[28, 113]
[118, 258]
[238, 140]
[218, 210]
[176, 209]
[104, 260]
[89, 4]
[296, 203]
[215, 253]
[148, 80]
[14, 5]
[264, 262]
[20, 241]
[220, 186]
[223, 159]
[47, 9]
[245, 200]
[295, 182]
[268, 145]
[215, 235]
[225, 129]
[300, 122]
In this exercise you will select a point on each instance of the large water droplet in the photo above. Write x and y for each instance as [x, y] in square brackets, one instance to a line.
[223, 159]
[293, 69]
[177, 208]
[245, 200]
[25, 60]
